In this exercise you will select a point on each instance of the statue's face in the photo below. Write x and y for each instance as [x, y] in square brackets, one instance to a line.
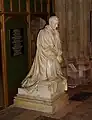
[54, 22]
[55, 26]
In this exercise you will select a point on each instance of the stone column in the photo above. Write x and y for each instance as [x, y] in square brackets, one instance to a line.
[60, 10]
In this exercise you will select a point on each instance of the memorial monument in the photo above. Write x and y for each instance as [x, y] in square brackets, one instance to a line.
[43, 89]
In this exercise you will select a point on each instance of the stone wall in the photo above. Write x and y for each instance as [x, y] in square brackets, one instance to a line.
[74, 18]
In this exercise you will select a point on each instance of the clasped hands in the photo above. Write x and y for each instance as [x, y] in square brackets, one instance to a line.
[59, 57]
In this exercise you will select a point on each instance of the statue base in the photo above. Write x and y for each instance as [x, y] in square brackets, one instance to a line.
[48, 97]
[47, 106]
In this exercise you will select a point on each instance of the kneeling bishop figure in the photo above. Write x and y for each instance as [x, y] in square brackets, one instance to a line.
[48, 59]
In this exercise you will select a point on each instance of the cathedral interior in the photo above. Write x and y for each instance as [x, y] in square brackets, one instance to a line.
[25, 18]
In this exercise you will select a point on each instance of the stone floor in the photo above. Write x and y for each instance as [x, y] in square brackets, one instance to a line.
[74, 111]
[81, 112]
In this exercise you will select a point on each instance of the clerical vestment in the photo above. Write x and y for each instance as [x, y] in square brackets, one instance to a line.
[46, 65]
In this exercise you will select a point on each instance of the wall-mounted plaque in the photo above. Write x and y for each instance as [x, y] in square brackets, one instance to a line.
[16, 41]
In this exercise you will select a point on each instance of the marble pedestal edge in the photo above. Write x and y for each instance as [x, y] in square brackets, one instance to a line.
[47, 106]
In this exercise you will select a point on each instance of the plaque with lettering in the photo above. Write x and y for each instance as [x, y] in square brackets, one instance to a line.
[16, 41]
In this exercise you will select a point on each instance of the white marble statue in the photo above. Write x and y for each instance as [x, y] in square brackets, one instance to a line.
[46, 67]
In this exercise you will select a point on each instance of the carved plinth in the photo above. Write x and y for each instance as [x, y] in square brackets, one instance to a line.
[48, 106]
[48, 97]
[45, 89]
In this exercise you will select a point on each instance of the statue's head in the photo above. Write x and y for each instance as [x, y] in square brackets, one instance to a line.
[53, 22]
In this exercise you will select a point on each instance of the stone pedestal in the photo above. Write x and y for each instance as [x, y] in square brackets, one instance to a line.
[49, 97]
[48, 106]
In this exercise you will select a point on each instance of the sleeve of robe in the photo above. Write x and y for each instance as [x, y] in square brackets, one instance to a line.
[46, 41]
